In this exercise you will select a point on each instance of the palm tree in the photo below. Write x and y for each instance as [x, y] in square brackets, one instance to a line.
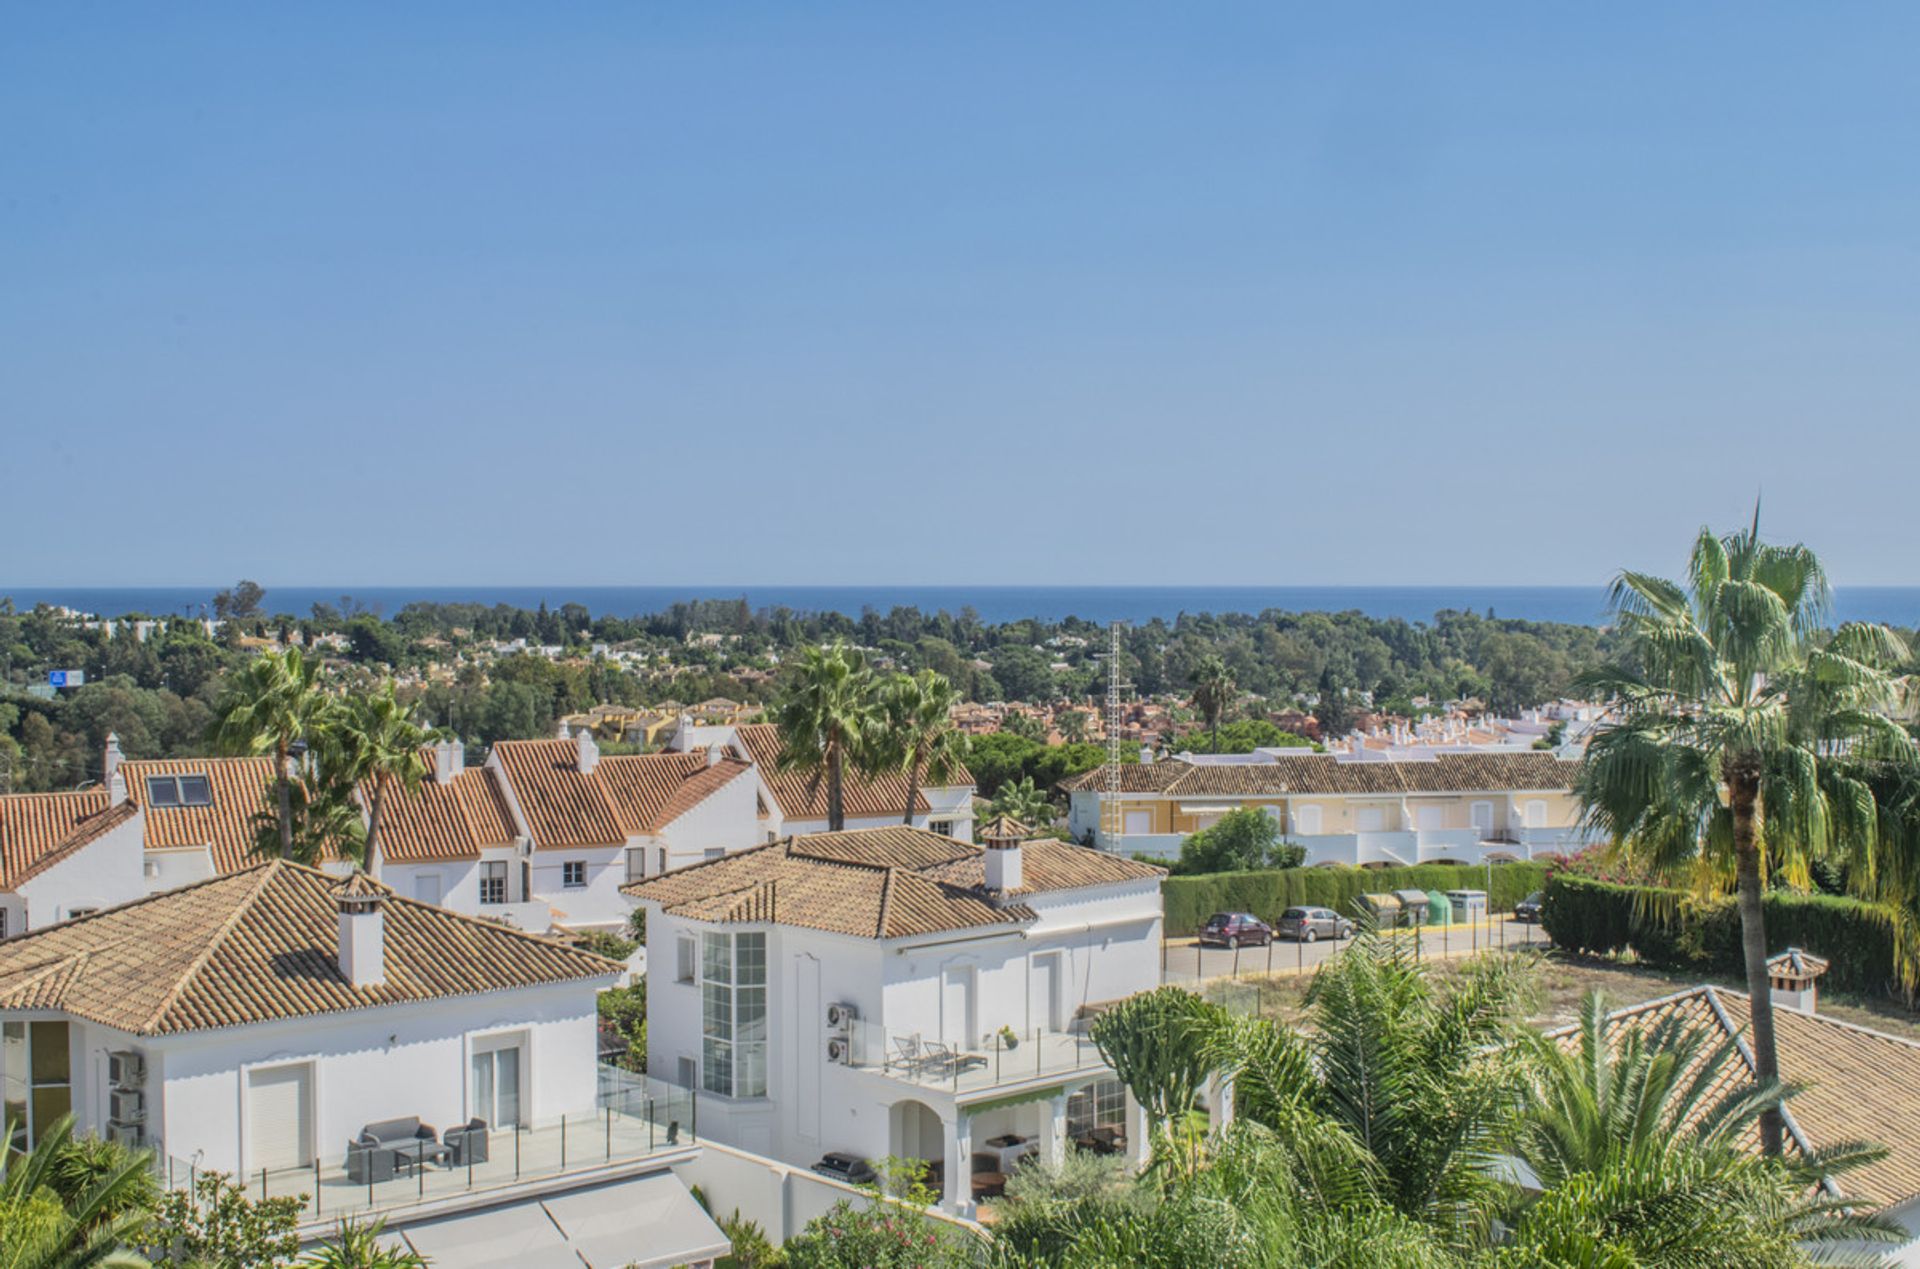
[66, 1206]
[1742, 737]
[918, 724]
[1022, 800]
[829, 720]
[1213, 691]
[269, 706]
[358, 1246]
[377, 745]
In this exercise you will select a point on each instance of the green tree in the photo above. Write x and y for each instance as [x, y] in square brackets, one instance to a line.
[1732, 695]
[1239, 841]
[917, 726]
[216, 1226]
[358, 1245]
[375, 745]
[624, 1009]
[829, 718]
[1024, 673]
[1024, 801]
[70, 1205]
[1158, 1045]
[271, 704]
[1213, 693]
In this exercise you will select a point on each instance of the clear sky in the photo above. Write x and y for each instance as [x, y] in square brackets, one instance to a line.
[1021, 293]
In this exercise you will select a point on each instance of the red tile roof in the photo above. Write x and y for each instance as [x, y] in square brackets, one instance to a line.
[32, 825]
[803, 798]
[242, 789]
[444, 821]
[626, 795]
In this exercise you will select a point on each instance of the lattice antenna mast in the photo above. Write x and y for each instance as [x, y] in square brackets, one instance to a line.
[1112, 822]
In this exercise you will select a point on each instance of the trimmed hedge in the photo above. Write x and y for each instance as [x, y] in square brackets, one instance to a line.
[1672, 929]
[1267, 892]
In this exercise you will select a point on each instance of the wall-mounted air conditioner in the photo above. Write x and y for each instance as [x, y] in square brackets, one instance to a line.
[127, 1068]
[127, 1105]
[133, 1135]
[840, 1050]
[841, 1016]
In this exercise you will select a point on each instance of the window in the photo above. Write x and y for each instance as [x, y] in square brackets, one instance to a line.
[3, 923]
[733, 1014]
[35, 1077]
[74, 913]
[714, 852]
[183, 790]
[942, 827]
[1101, 1105]
[636, 863]
[493, 881]
[687, 954]
[573, 874]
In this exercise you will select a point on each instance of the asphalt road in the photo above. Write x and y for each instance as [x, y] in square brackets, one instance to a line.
[1184, 961]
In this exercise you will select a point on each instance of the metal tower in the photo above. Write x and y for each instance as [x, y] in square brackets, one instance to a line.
[1112, 821]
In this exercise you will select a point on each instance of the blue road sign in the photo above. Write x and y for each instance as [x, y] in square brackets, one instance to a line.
[66, 678]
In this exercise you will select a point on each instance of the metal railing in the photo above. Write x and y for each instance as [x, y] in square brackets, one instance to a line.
[634, 1117]
[1002, 1057]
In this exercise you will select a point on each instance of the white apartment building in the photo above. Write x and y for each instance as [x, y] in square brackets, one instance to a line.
[1439, 807]
[892, 991]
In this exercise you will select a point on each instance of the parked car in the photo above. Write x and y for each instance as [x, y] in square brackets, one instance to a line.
[842, 1166]
[1308, 925]
[1235, 929]
[1528, 909]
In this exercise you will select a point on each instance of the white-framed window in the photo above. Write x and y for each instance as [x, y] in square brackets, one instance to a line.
[573, 873]
[1099, 1105]
[733, 1014]
[636, 863]
[942, 827]
[714, 852]
[493, 881]
[686, 958]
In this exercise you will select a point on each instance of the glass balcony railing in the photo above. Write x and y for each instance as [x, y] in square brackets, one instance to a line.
[1000, 1058]
[635, 1117]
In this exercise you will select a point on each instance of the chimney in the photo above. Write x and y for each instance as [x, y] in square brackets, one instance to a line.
[561, 731]
[1794, 976]
[363, 930]
[713, 755]
[586, 753]
[1146, 755]
[1003, 838]
[110, 771]
[449, 760]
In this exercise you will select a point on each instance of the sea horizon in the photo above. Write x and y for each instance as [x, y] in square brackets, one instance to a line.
[1576, 605]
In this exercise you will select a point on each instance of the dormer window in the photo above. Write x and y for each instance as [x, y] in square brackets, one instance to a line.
[179, 790]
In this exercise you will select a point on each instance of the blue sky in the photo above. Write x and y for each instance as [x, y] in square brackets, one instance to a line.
[1018, 293]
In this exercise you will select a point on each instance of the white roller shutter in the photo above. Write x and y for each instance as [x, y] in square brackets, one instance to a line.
[280, 1117]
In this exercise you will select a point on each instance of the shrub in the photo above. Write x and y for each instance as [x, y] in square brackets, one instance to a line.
[1268, 892]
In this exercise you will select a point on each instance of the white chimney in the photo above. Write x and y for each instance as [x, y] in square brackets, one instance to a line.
[363, 931]
[1002, 862]
[449, 760]
[1146, 755]
[110, 771]
[561, 731]
[1794, 976]
[713, 755]
[586, 753]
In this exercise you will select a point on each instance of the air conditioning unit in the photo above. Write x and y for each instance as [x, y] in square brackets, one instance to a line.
[840, 1050]
[127, 1106]
[841, 1016]
[127, 1068]
[133, 1135]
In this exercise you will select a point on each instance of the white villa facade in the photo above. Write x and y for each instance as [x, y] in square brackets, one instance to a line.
[891, 991]
[1465, 808]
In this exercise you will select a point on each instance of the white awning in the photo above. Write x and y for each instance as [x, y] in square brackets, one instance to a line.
[646, 1222]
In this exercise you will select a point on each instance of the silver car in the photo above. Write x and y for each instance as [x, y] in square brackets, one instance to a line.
[1309, 925]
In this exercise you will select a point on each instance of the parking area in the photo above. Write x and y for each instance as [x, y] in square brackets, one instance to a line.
[1185, 961]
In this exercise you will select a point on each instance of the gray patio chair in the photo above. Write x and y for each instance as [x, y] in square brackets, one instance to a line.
[466, 1144]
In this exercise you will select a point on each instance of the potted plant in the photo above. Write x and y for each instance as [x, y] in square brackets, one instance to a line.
[1006, 1040]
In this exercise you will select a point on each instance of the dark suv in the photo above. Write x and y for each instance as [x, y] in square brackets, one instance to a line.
[1528, 909]
[1308, 925]
[1235, 929]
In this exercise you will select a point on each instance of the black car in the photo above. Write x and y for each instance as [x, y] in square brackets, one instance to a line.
[842, 1166]
[1235, 929]
[1528, 909]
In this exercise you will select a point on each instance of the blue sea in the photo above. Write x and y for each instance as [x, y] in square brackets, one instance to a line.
[1896, 605]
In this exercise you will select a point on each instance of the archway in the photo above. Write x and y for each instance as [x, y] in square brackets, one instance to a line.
[915, 1132]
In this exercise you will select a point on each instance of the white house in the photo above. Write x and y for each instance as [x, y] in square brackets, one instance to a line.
[799, 803]
[891, 991]
[63, 855]
[1440, 807]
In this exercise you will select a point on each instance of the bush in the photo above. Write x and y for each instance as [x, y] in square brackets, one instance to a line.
[1268, 892]
[1671, 929]
[1244, 839]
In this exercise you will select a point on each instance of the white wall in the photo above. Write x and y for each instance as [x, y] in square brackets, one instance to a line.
[102, 874]
[368, 1065]
[728, 818]
[599, 903]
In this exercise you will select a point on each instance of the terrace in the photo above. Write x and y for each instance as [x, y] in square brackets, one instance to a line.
[1003, 1060]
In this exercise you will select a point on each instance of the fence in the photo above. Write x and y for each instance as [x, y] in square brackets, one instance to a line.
[1185, 961]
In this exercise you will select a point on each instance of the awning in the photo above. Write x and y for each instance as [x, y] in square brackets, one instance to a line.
[645, 1222]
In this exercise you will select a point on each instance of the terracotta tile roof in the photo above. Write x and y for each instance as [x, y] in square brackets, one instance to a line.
[801, 798]
[263, 944]
[652, 790]
[563, 807]
[889, 882]
[33, 825]
[1322, 773]
[1862, 1085]
[18, 863]
[445, 821]
[241, 787]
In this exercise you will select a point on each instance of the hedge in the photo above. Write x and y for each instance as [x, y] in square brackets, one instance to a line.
[1673, 929]
[1267, 892]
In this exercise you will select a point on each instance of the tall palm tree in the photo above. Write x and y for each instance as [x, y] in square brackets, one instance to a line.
[377, 746]
[1742, 737]
[1213, 690]
[917, 710]
[1024, 801]
[272, 704]
[829, 720]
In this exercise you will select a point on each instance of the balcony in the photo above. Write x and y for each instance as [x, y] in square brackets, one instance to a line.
[635, 1118]
[998, 1062]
